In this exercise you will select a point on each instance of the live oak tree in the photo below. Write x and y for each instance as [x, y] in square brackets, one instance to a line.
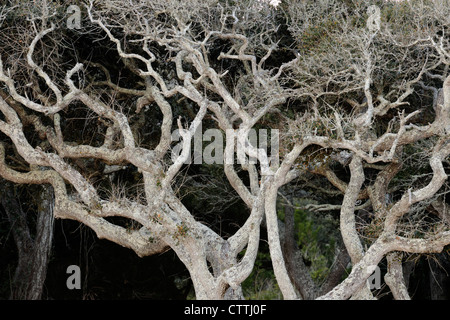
[360, 95]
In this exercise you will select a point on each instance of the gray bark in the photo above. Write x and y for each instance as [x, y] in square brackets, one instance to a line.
[298, 271]
[33, 251]
[394, 277]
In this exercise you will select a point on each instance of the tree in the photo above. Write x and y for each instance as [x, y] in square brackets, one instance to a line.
[343, 82]
[33, 247]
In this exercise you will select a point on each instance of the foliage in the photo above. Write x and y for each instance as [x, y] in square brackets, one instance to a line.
[316, 239]
[261, 283]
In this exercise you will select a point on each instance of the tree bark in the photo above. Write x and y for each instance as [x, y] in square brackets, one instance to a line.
[348, 222]
[394, 277]
[297, 270]
[33, 252]
[276, 253]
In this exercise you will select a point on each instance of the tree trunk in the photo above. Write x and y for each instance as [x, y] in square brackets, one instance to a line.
[33, 253]
[276, 254]
[394, 277]
[298, 271]
[348, 223]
